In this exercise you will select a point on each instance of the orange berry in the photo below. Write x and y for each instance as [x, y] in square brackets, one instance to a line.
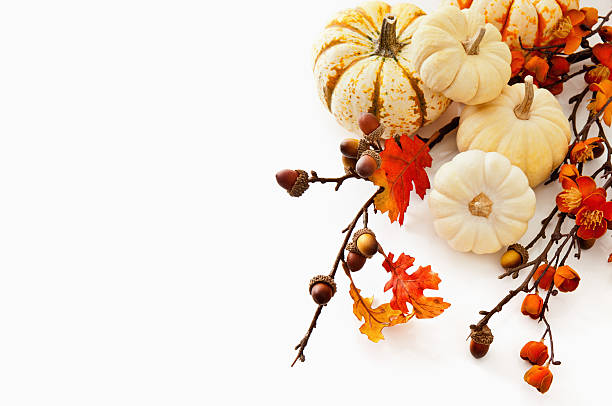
[535, 352]
[532, 305]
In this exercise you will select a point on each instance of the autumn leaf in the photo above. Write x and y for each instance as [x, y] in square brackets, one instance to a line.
[409, 288]
[374, 320]
[403, 169]
[610, 258]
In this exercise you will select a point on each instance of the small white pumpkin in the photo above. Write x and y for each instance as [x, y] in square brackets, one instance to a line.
[524, 124]
[361, 65]
[458, 54]
[481, 202]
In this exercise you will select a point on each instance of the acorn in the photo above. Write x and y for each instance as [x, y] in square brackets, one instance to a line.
[365, 242]
[368, 122]
[286, 178]
[586, 244]
[355, 261]
[349, 147]
[514, 256]
[481, 341]
[322, 288]
[349, 163]
[368, 163]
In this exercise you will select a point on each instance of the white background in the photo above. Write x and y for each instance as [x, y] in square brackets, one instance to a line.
[147, 256]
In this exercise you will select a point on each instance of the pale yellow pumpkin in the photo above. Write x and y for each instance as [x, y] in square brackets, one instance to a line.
[456, 53]
[524, 124]
[480, 202]
[532, 20]
[361, 65]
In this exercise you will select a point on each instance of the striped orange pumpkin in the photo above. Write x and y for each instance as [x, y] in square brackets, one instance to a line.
[531, 20]
[361, 65]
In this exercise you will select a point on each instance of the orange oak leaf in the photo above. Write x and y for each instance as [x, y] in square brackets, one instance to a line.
[403, 163]
[383, 201]
[374, 320]
[409, 288]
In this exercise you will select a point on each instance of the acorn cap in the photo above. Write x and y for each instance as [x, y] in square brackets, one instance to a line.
[363, 145]
[322, 279]
[301, 184]
[482, 336]
[352, 247]
[374, 155]
[521, 250]
[375, 135]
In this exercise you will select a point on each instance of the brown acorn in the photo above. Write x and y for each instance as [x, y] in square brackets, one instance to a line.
[322, 288]
[481, 341]
[355, 261]
[365, 167]
[349, 163]
[368, 122]
[286, 178]
[514, 256]
[349, 147]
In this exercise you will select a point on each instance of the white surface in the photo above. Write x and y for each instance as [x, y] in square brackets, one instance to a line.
[147, 256]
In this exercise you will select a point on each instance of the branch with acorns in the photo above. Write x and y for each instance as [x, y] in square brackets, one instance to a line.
[390, 165]
[582, 214]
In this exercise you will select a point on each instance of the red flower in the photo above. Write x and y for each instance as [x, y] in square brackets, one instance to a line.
[547, 279]
[603, 53]
[535, 352]
[583, 150]
[605, 33]
[532, 305]
[566, 279]
[593, 217]
[539, 377]
[574, 192]
[558, 66]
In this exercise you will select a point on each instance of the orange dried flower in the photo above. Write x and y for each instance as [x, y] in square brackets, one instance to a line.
[532, 305]
[583, 150]
[569, 31]
[518, 60]
[591, 15]
[605, 33]
[558, 66]
[603, 53]
[535, 352]
[537, 66]
[604, 92]
[574, 192]
[547, 279]
[566, 279]
[597, 74]
[539, 377]
[593, 216]
[568, 171]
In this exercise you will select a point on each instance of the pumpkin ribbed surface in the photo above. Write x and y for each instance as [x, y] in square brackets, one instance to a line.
[481, 202]
[532, 20]
[354, 75]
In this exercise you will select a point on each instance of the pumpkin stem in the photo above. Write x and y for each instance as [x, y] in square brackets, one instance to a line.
[522, 110]
[471, 46]
[387, 43]
[481, 205]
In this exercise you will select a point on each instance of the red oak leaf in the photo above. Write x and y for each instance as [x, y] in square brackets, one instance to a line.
[409, 288]
[403, 163]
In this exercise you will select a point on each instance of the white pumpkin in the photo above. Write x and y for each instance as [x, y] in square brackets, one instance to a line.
[526, 125]
[361, 65]
[534, 21]
[458, 54]
[481, 202]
